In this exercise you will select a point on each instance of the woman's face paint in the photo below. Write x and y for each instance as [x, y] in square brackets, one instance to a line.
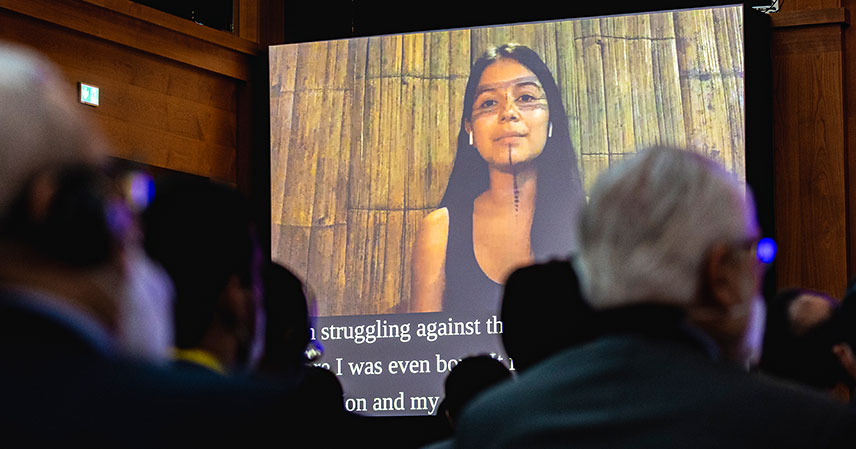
[510, 115]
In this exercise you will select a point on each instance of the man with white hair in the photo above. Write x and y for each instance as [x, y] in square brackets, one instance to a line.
[58, 252]
[667, 258]
[64, 274]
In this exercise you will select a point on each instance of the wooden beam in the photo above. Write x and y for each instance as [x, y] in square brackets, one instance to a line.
[807, 17]
[146, 29]
[247, 20]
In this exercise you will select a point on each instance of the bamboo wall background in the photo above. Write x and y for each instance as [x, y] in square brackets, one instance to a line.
[363, 132]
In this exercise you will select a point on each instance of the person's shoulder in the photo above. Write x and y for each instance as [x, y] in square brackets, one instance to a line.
[803, 416]
[783, 394]
[489, 415]
[533, 275]
[516, 399]
[434, 229]
[437, 218]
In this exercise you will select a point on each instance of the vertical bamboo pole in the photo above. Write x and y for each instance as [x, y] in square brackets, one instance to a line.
[304, 144]
[459, 70]
[438, 120]
[567, 79]
[667, 83]
[705, 116]
[283, 70]
[358, 193]
[728, 28]
[646, 131]
[616, 86]
[329, 216]
[414, 98]
[592, 105]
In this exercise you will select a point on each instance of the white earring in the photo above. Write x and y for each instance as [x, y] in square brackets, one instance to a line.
[471, 139]
[550, 130]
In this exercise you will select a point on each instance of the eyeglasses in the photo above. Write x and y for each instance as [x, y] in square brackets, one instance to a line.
[764, 250]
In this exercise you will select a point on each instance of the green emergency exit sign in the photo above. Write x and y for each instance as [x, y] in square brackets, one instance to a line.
[88, 94]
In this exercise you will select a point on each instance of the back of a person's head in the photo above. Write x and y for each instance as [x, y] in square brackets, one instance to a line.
[649, 223]
[39, 127]
[542, 312]
[321, 388]
[201, 233]
[468, 378]
[62, 218]
[61, 229]
[287, 320]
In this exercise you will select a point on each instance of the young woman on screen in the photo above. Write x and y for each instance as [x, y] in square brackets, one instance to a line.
[514, 190]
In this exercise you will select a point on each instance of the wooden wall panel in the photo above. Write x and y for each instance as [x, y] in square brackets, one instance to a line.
[850, 135]
[143, 28]
[247, 19]
[807, 5]
[154, 110]
[810, 150]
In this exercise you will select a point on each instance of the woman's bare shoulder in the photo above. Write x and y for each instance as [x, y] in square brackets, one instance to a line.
[435, 226]
[429, 258]
[437, 217]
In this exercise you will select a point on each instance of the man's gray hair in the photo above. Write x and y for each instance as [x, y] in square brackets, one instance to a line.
[649, 223]
[39, 125]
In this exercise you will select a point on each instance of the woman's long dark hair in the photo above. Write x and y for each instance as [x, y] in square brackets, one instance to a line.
[559, 188]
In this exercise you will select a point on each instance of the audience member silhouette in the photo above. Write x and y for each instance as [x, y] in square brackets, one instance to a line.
[202, 234]
[805, 341]
[470, 377]
[667, 259]
[287, 336]
[666, 262]
[287, 329]
[543, 312]
[467, 379]
[63, 277]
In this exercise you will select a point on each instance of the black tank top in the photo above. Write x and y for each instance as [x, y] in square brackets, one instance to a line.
[467, 287]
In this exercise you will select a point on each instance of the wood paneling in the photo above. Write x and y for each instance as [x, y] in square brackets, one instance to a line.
[154, 110]
[227, 55]
[247, 19]
[809, 17]
[850, 136]
[807, 5]
[178, 24]
[809, 156]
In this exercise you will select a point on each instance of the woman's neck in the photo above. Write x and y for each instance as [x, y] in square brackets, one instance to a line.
[512, 188]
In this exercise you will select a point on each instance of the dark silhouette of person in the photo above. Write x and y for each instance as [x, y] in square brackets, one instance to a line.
[470, 377]
[668, 259]
[287, 327]
[287, 336]
[64, 242]
[805, 342]
[543, 312]
[202, 234]
[467, 379]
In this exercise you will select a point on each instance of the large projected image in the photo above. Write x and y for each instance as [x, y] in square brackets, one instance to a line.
[410, 174]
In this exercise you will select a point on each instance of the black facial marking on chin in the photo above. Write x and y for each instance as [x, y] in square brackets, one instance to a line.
[515, 189]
